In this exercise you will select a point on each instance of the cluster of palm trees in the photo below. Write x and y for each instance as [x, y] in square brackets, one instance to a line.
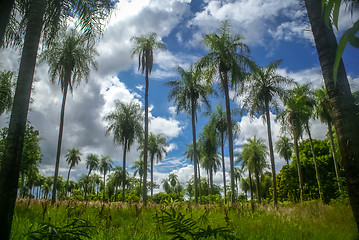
[227, 63]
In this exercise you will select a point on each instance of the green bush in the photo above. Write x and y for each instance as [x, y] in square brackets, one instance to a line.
[167, 197]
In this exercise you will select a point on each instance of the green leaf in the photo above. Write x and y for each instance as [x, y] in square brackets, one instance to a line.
[336, 12]
[348, 36]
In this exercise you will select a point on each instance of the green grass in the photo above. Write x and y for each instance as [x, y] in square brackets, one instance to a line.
[131, 221]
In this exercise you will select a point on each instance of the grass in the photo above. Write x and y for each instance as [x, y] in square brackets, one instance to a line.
[310, 220]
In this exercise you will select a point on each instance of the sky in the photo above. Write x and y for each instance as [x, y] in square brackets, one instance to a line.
[273, 29]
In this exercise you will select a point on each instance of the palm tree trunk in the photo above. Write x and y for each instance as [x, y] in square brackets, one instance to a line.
[86, 183]
[298, 167]
[104, 186]
[334, 155]
[151, 176]
[315, 162]
[230, 134]
[124, 171]
[194, 139]
[345, 117]
[211, 179]
[199, 183]
[258, 187]
[22, 185]
[59, 141]
[271, 152]
[251, 188]
[10, 164]
[145, 150]
[5, 13]
[67, 182]
[224, 169]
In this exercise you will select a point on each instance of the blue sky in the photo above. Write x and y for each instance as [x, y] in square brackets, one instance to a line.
[273, 29]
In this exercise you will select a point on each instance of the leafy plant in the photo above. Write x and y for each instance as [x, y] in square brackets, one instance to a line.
[78, 229]
[181, 227]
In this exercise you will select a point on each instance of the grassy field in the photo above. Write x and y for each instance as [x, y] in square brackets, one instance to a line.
[132, 221]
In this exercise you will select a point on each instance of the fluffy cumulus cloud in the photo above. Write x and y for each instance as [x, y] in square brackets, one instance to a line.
[252, 19]
[135, 18]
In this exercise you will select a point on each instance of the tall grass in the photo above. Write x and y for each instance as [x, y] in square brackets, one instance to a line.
[132, 221]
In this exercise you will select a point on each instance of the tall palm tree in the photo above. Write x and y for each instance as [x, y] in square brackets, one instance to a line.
[144, 47]
[324, 113]
[292, 122]
[262, 90]
[125, 124]
[105, 166]
[73, 157]
[227, 61]
[305, 98]
[92, 163]
[157, 144]
[345, 116]
[5, 91]
[189, 154]
[188, 94]
[219, 120]
[89, 19]
[208, 145]
[284, 148]
[70, 59]
[254, 154]
[10, 164]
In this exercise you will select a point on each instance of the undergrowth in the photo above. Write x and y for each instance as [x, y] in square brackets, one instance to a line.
[95, 220]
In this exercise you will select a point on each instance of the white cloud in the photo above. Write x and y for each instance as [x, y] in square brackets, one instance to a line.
[134, 18]
[170, 128]
[171, 146]
[113, 89]
[251, 18]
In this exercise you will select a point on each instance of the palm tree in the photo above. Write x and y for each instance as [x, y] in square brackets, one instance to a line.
[125, 124]
[118, 180]
[254, 154]
[5, 91]
[245, 186]
[262, 90]
[89, 19]
[144, 47]
[208, 145]
[324, 113]
[73, 157]
[284, 147]
[188, 94]
[171, 184]
[157, 144]
[10, 164]
[105, 166]
[189, 154]
[227, 60]
[70, 60]
[219, 120]
[238, 172]
[345, 116]
[92, 163]
[291, 121]
[139, 169]
[305, 99]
